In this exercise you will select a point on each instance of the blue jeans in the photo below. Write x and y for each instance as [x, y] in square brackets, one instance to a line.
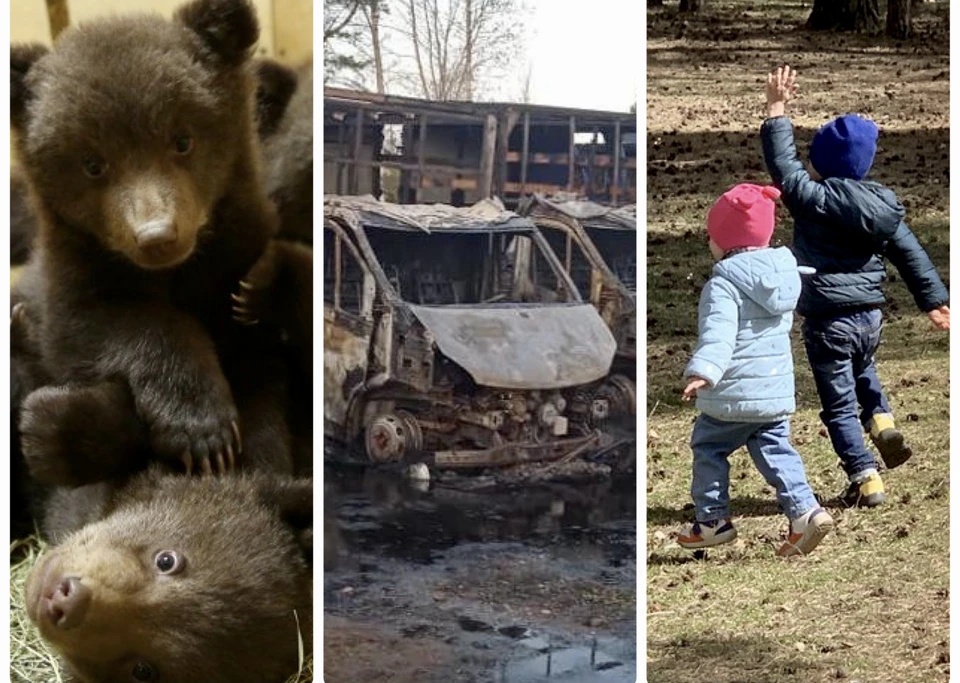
[841, 351]
[769, 445]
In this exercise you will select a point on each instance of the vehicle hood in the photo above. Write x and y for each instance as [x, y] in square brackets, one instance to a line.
[523, 346]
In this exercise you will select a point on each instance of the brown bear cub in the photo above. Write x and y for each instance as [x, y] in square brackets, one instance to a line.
[137, 138]
[137, 590]
[285, 106]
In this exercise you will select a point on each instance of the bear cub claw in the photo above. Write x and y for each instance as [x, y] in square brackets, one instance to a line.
[208, 445]
[250, 304]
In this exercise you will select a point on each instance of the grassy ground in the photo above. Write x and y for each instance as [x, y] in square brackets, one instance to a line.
[31, 661]
[871, 605]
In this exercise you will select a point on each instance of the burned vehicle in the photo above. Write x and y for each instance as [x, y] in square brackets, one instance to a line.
[454, 337]
[597, 247]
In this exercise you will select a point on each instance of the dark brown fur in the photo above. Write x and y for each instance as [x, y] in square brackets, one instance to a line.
[23, 224]
[276, 84]
[231, 615]
[153, 322]
[288, 149]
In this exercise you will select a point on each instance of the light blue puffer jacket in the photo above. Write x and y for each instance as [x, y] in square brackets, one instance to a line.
[746, 311]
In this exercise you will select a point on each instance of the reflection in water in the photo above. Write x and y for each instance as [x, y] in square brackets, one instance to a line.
[380, 512]
[580, 664]
[413, 529]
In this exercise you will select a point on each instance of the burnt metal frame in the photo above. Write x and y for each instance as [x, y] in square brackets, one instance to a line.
[350, 219]
[494, 119]
[360, 111]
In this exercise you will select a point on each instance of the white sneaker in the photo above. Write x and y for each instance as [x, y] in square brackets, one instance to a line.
[806, 532]
[707, 534]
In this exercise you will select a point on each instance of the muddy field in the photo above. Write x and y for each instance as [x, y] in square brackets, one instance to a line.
[871, 605]
[464, 580]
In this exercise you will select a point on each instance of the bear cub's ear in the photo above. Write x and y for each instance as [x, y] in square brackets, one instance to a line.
[22, 57]
[228, 28]
[276, 84]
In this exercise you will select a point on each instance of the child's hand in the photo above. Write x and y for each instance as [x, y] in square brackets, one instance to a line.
[690, 392]
[781, 88]
[940, 317]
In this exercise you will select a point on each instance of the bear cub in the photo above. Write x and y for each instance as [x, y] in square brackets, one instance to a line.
[137, 137]
[133, 589]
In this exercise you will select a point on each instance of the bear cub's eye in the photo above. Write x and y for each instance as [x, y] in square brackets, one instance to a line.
[169, 562]
[94, 167]
[142, 672]
[183, 144]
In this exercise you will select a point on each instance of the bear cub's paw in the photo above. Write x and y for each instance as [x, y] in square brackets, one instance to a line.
[71, 436]
[201, 429]
[251, 304]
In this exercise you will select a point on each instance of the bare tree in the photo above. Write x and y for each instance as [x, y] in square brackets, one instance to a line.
[372, 12]
[342, 40]
[458, 43]
[862, 16]
[899, 21]
[337, 15]
[526, 92]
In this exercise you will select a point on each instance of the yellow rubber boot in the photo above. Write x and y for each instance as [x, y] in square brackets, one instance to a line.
[868, 493]
[888, 440]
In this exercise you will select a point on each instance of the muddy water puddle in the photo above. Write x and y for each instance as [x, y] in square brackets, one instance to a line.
[465, 580]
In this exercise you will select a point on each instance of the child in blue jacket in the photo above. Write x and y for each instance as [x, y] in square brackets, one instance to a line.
[844, 227]
[742, 374]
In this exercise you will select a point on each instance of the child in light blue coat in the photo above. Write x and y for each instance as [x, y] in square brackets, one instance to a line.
[742, 374]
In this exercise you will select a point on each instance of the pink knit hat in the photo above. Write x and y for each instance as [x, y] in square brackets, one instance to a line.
[744, 216]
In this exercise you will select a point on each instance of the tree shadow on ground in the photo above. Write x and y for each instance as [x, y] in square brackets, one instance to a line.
[717, 659]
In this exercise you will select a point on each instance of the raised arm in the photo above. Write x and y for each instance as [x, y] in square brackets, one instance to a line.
[800, 191]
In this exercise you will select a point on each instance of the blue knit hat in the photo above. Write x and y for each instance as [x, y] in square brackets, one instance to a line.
[844, 148]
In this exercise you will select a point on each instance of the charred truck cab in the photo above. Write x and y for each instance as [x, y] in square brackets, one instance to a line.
[454, 336]
[596, 246]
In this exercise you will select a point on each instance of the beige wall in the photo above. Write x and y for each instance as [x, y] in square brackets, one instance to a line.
[293, 39]
[285, 25]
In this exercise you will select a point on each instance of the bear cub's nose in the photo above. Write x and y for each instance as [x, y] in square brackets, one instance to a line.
[68, 603]
[156, 234]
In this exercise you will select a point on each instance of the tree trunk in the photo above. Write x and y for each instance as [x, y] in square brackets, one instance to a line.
[415, 39]
[372, 14]
[468, 49]
[866, 16]
[898, 18]
[691, 5]
[862, 16]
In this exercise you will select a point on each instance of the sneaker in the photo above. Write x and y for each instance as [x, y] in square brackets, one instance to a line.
[888, 440]
[806, 532]
[867, 493]
[707, 534]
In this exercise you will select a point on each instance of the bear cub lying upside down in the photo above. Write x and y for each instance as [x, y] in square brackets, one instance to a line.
[138, 590]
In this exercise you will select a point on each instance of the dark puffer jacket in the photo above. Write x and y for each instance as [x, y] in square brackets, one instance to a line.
[844, 228]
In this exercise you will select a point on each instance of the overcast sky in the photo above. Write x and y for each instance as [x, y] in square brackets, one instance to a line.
[583, 53]
[587, 58]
